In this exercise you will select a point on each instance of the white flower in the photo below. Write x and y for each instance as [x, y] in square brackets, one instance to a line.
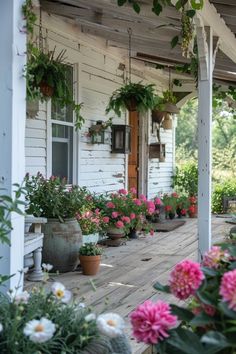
[82, 304]
[61, 293]
[47, 267]
[40, 331]
[110, 324]
[1, 327]
[21, 298]
[90, 317]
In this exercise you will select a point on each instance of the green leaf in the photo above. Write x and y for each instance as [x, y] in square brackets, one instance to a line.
[160, 287]
[215, 339]
[185, 340]
[157, 8]
[206, 298]
[174, 41]
[182, 313]
[191, 13]
[197, 4]
[209, 271]
[136, 7]
[121, 2]
[226, 310]
[201, 320]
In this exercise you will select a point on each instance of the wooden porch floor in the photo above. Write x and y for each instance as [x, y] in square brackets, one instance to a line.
[128, 272]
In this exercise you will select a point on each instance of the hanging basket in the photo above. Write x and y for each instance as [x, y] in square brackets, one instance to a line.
[167, 122]
[171, 108]
[157, 116]
[131, 104]
[46, 89]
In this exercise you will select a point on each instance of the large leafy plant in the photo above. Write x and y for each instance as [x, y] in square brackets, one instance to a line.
[49, 70]
[142, 96]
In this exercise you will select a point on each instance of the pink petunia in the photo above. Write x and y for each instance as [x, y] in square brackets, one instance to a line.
[185, 279]
[151, 211]
[150, 204]
[137, 202]
[133, 190]
[228, 289]
[143, 197]
[214, 256]
[110, 205]
[125, 219]
[119, 224]
[132, 216]
[106, 219]
[151, 321]
[157, 201]
[123, 191]
[114, 214]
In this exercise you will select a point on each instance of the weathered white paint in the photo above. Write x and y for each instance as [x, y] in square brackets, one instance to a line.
[204, 151]
[12, 128]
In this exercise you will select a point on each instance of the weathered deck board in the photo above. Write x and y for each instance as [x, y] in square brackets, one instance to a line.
[125, 278]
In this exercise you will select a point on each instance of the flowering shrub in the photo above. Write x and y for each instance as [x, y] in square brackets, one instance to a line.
[206, 325]
[51, 198]
[90, 221]
[45, 323]
[170, 203]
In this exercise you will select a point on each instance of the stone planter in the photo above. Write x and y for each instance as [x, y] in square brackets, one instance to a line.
[94, 238]
[61, 244]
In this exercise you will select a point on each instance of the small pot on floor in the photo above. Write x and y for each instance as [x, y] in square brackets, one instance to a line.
[90, 264]
[171, 216]
[133, 234]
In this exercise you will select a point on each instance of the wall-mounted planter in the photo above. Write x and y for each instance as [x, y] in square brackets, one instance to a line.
[157, 151]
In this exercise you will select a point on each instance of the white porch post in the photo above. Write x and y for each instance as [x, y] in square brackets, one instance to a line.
[205, 146]
[12, 127]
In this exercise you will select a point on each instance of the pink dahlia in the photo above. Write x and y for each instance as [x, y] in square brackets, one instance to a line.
[151, 321]
[228, 288]
[119, 224]
[133, 190]
[106, 219]
[150, 204]
[137, 202]
[126, 219]
[185, 279]
[132, 216]
[123, 191]
[110, 205]
[213, 257]
[114, 214]
[157, 201]
[143, 197]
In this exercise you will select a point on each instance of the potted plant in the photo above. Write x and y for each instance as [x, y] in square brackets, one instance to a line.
[132, 96]
[50, 198]
[182, 206]
[90, 258]
[163, 108]
[90, 222]
[192, 208]
[46, 75]
[170, 203]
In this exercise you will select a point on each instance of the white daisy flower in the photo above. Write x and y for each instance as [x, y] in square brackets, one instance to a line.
[1, 327]
[39, 331]
[21, 298]
[59, 290]
[110, 324]
[47, 267]
[90, 317]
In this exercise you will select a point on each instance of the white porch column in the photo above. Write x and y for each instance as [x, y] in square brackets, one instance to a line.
[205, 147]
[12, 127]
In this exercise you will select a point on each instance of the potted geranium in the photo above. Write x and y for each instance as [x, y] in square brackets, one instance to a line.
[132, 96]
[170, 203]
[50, 198]
[192, 208]
[90, 258]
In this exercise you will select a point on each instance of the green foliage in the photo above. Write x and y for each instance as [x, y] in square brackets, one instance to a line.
[185, 179]
[9, 205]
[227, 189]
[207, 325]
[46, 68]
[142, 95]
[73, 332]
[51, 198]
[29, 15]
[90, 249]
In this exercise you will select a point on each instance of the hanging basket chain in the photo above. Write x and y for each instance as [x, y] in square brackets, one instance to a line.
[130, 34]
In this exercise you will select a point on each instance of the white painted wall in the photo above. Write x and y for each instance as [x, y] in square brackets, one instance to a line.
[99, 74]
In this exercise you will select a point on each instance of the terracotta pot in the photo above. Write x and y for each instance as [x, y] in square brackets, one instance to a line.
[115, 233]
[46, 89]
[90, 264]
[157, 116]
[131, 104]
[167, 122]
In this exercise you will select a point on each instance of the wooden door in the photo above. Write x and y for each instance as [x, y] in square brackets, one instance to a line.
[133, 166]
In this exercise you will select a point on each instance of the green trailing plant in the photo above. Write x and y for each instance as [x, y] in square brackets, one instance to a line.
[29, 15]
[46, 76]
[90, 249]
[142, 96]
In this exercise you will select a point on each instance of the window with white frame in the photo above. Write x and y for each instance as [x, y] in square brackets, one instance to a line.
[63, 136]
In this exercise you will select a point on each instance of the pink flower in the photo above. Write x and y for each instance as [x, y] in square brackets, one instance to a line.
[209, 310]
[168, 208]
[114, 214]
[175, 195]
[185, 279]
[126, 219]
[157, 201]
[97, 211]
[151, 232]
[213, 257]
[132, 216]
[151, 211]
[110, 205]
[137, 202]
[133, 190]
[150, 204]
[119, 224]
[183, 212]
[228, 288]
[106, 219]
[151, 321]
[123, 191]
[142, 197]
